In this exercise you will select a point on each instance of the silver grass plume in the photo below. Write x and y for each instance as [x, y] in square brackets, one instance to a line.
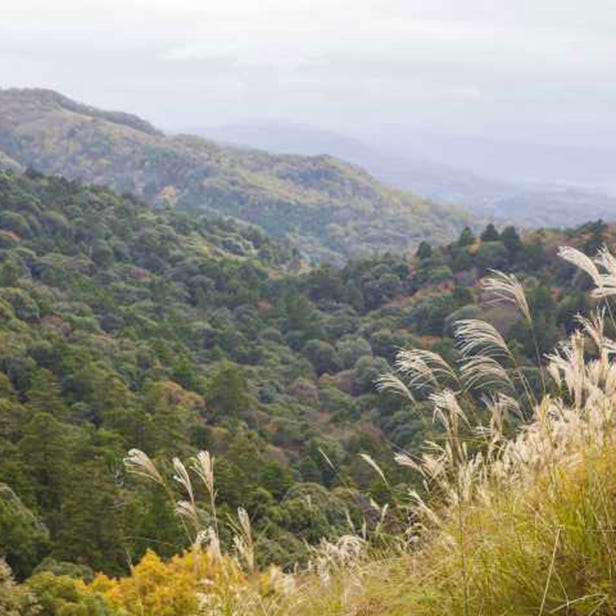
[485, 371]
[139, 463]
[474, 337]
[203, 465]
[583, 262]
[507, 288]
[606, 260]
[389, 382]
[371, 462]
[243, 541]
[423, 368]
[187, 509]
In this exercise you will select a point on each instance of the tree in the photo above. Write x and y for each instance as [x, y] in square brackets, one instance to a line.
[44, 450]
[367, 370]
[15, 600]
[157, 588]
[512, 241]
[323, 356]
[351, 348]
[227, 390]
[466, 237]
[424, 251]
[61, 595]
[490, 234]
[24, 539]
[597, 236]
[90, 529]
[44, 395]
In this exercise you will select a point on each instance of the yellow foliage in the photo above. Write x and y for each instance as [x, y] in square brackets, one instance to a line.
[154, 588]
[172, 588]
[174, 393]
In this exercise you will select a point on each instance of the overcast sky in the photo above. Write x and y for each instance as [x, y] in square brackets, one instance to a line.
[543, 70]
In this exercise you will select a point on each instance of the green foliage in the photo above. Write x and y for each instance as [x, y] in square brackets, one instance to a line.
[23, 537]
[323, 356]
[330, 209]
[59, 595]
[490, 234]
[466, 237]
[424, 251]
[123, 326]
[227, 391]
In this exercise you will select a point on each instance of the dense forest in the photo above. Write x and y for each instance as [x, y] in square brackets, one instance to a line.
[125, 326]
[329, 208]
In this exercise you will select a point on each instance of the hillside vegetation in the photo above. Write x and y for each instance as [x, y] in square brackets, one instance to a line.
[330, 209]
[168, 333]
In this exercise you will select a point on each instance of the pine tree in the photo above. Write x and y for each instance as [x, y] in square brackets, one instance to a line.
[45, 455]
[466, 237]
[512, 241]
[45, 396]
[490, 234]
[424, 251]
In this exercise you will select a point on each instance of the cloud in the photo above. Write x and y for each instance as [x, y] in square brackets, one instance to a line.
[450, 63]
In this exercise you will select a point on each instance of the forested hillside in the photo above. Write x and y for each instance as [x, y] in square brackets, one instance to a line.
[124, 326]
[330, 209]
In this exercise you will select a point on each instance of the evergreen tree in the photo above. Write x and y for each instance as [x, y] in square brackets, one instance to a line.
[44, 449]
[90, 530]
[227, 391]
[466, 237]
[44, 395]
[490, 234]
[424, 251]
[512, 241]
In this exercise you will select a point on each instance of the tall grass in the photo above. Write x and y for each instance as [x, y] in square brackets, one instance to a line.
[517, 514]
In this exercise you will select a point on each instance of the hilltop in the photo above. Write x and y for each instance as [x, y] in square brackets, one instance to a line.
[331, 209]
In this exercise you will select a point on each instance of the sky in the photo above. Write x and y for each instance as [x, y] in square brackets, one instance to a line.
[542, 71]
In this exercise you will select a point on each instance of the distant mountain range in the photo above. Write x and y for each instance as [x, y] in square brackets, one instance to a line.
[331, 209]
[534, 185]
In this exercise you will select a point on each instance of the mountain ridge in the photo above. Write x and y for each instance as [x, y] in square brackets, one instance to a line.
[420, 167]
[331, 209]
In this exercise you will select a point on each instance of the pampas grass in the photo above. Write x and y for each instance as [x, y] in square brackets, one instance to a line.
[507, 288]
[517, 515]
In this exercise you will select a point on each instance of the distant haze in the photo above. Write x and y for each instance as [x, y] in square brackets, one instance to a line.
[388, 150]
[485, 72]
[506, 181]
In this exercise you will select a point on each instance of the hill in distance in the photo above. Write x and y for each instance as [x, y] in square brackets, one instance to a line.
[492, 179]
[331, 209]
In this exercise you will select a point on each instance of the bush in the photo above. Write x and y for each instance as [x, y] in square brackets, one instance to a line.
[350, 349]
[323, 356]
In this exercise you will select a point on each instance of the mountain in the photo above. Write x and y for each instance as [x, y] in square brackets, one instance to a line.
[530, 184]
[331, 209]
[516, 161]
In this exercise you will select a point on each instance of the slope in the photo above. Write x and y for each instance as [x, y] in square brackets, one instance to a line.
[556, 198]
[330, 208]
[123, 326]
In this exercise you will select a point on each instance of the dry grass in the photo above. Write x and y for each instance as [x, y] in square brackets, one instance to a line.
[519, 525]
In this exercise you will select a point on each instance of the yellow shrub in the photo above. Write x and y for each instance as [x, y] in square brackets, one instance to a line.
[172, 588]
